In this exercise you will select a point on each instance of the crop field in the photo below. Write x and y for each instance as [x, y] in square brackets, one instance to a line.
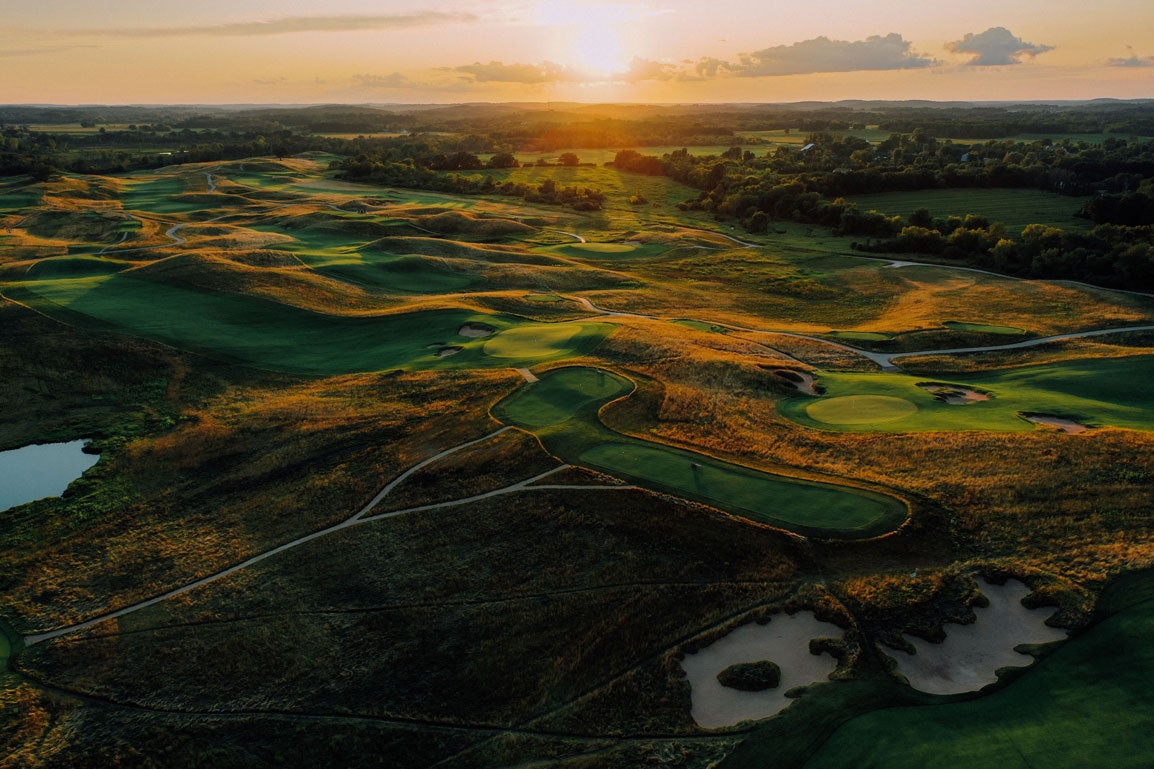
[1013, 208]
[458, 480]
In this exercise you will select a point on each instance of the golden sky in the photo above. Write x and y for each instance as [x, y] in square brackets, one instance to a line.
[303, 51]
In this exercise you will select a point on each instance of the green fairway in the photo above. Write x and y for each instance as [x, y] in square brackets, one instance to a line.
[861, 336]
[1096, 392]
[813, 509]
[561, 395]
[1085, 705]
[270, 335]
[407, 274]
[74, 267]
[608, 251]
[157, 197]
[982, 328]
[1014, 208]
[860, 409]
[563, 410]
[702, 326]
[539, 341]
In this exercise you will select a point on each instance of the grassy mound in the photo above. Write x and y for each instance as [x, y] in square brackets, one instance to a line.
[751, 676]
[465, 225]
[271, 335]
[66, 267]
[861, 409]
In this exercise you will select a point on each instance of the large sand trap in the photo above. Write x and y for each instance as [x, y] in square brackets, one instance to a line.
[955, 395]
[803, 381]
[785, 641]
[1059, 423]
[476, 330]
[968, 658]
[445, 352]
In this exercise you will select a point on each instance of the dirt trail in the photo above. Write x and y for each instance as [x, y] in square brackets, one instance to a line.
[358, 518]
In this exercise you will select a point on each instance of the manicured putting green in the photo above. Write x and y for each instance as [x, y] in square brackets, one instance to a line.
[1085, 705]
[861, 409]
[537, 341]
[1093, 392]
[983, 328]
[563, 410]
[269, 335]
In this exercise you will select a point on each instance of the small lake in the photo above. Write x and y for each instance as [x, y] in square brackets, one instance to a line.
[42, 470]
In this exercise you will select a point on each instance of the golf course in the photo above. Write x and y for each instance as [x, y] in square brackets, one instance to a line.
[404, 448]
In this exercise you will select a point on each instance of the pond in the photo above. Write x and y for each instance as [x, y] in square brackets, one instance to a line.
[41, 470]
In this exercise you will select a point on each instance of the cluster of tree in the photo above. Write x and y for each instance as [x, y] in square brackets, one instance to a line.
[1110, 255]
[414, 175]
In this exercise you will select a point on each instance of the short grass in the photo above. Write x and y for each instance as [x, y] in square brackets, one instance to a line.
[1086, 704]
[563, 410]
[700, 325]
[608, 251]
[983, 328]
[156, 197]
[1097, 392]
[860, 409]
[1014, 208]
[405, 274]
[274, 336]
[861, 336]
[68, 267]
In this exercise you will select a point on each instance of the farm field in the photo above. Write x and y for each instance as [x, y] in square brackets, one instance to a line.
[1013, 208]
[458, 480]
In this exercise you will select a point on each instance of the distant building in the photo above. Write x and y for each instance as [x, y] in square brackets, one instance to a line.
[807, 147]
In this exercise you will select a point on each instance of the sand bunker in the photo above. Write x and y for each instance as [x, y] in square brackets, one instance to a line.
[445, 352]
[955, 395]
[784, 641]
[968, 658]
[476, 330]
[1061, 424]
[802, 381]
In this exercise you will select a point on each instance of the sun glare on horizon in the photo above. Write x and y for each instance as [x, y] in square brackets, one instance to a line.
[593, 35]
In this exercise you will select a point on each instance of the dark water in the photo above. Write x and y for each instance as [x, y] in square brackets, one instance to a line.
[44, 470]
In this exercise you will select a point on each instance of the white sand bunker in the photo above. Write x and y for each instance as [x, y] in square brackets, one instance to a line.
[476, 330]
[1061, 424]
[445, 352]
[803, 381]
[955, 395]
[971, 654]
[784, 641]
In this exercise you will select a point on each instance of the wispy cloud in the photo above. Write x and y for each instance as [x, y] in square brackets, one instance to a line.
[282, 26]
[13, 52]
[1133, 60]
[996, 47]
[384, 82]
[823, 55]
[525, 74]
